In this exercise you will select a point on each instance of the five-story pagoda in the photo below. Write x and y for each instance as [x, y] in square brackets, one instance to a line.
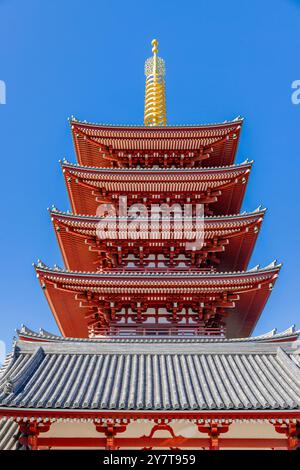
[155, 303]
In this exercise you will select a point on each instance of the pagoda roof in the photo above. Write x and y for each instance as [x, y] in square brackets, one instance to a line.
[239, 230]
[97, 376]
[84, 182]
[66, 291]
[96, 143]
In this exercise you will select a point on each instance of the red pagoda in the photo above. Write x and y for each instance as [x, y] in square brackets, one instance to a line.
[155, 351]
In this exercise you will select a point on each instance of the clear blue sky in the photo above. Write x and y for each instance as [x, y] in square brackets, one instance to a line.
[224, 58]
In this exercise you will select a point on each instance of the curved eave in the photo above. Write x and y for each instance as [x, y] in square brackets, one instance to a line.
[162, 172]
[67, 215]
[176, 128]
[256, 272]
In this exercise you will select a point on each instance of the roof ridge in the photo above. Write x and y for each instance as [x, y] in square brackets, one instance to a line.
[273, 335]
[8, 361]
[16, 381]
[271, 266]
[237, 120]
[65, 162]
[253, 213]
[288, 364]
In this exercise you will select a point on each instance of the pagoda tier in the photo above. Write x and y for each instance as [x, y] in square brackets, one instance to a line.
[130, 146]
[228, 244]
[86, 304]
[221, 190]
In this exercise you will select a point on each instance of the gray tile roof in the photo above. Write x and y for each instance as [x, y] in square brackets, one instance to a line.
[9, 435]
[141, 376]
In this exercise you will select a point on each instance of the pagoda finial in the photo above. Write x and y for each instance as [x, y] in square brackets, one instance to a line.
[154, 43]
[155, 100]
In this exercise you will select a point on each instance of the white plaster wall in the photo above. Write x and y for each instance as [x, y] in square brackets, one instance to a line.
[185, 429]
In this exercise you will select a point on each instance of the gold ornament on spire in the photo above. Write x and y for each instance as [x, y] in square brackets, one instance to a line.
[155, 98]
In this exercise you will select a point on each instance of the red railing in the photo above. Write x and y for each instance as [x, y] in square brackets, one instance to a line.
[166, 270]
[159, 331]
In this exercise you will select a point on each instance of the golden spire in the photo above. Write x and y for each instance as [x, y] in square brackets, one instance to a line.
[155, 99]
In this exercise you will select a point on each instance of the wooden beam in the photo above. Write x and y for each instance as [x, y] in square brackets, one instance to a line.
[161, 442]
[150, 415]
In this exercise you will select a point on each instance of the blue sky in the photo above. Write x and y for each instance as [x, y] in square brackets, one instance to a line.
[224, 58]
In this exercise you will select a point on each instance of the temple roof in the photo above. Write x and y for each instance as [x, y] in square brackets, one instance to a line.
[96, 144]
[67, 293]
[76, 375]
[77, 236]
[224, 187]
